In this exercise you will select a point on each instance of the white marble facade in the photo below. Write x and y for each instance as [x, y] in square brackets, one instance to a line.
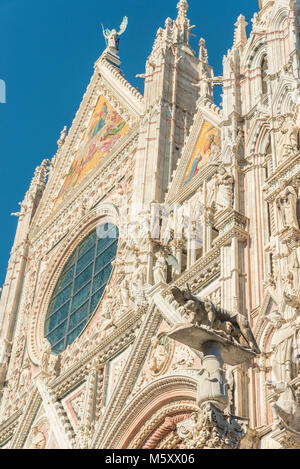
[202, 194]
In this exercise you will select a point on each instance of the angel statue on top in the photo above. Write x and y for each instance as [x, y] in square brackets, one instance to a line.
[112, 37]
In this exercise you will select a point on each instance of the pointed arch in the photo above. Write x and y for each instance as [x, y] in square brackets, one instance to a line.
[168, 396]
[262, 329]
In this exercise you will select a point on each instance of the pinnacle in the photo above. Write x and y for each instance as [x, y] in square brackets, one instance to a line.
[182, 8]
[240, 35]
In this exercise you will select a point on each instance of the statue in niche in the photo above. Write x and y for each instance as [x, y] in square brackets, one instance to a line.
[123, 280]
[158, 356]
[136, 237]
[224, 184]
[159, 270]
[197, 205]
[286, 203]
[290, 293]
[285, 348]
[289, 137]
[25, 376]
[46, 352]
[112, 37]
[144, 230]
[211, 190]
[124, 291]
[4, 357]
[138, 282]
[168, 232]
[285, 357]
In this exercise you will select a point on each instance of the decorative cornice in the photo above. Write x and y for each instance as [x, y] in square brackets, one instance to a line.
[7, 428]
[102, 62]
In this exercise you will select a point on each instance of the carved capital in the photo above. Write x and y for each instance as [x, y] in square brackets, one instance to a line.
[210, 428]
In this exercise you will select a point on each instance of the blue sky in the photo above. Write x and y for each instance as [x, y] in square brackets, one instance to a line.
[47, 52]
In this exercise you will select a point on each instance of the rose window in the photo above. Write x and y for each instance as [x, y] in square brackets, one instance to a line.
[80, 287]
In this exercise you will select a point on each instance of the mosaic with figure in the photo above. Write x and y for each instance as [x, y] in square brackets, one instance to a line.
[105, 128]
[208, 145]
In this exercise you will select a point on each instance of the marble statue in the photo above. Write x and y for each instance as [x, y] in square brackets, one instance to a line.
[159, 270]
[158, 356]
[46, 352]
[286, 203]
[285, 351]
[205, 312]
[112, 37]
[289, 137]
[38, 439]
[224, 184]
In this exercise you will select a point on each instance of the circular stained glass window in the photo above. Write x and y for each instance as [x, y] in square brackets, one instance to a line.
[80, 287]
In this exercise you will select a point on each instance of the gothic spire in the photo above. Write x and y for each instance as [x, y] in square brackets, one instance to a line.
[182, 24]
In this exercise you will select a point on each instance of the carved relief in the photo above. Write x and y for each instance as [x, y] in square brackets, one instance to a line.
[183, 358]
[286, 203]
[285, 350]
[159, 355]
[288, 139]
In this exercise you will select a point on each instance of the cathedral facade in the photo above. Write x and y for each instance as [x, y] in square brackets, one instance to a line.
[152, 293]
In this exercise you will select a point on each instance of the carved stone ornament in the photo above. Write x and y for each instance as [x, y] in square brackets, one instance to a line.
[209, 428]
[287, 438]
[231, 326]
[212, 426]
[159, 355]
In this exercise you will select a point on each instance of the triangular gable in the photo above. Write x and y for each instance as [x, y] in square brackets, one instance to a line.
[106, 127]
[91, 140]
[202, 148]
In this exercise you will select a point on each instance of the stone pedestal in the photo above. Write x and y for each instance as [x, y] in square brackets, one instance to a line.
[212, 426]
[112, 56]
[212, 385]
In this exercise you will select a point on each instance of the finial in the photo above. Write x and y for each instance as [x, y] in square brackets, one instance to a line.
[203, 57]
[240, 35]
[182, 8]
